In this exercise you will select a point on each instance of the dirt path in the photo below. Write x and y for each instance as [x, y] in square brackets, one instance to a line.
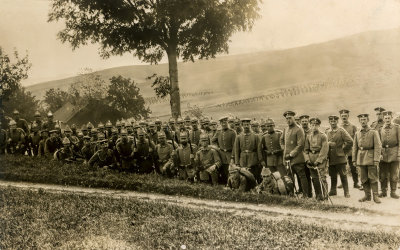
[369, 221]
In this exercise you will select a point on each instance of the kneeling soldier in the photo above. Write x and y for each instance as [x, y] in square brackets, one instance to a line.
[104, 157]
[389, 165]
[164, 154]
[65, 153]
[316, 154]
[366, 154]
[144, 152]
[185, 159]
[207, 161]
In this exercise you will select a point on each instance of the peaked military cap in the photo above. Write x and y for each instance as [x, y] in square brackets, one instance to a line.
[89, 125]
[12, 122]
[84, 128]
[245, 120]
[37, 114]
[108, 124]
[363, 116]
[158, 121]
[66, 141]
[195, 120]
[223, 118]
[183, 135]
[344, 111]
[16, 112]
[187, 118]
[304, 117]
[289, 113]
[316, 120]
[67, 129]
[379, 109]
[101, 136]
[101, 125]
[269, 121]
[333, 117]
[204, 137]
[124, 131]
[387, 113]
[49, 114]
[161, 134]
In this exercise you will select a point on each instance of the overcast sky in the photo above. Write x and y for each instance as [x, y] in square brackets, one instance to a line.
[284, 24]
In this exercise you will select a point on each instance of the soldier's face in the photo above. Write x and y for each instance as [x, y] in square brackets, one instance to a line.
[124, 137]
[67, 134]
[314, 126]
[204, 143]
[232, 124]
[224, 124]
[333, 123]
[246, 126]
[344, 117]
[270, 127]
[387, 119]
[290, 120]
[184, 140]
[195, 126]
[152, 129]
[141, 136]
[104, 145]
[162, 140]
[364, 121]
[379, 116]
[304, 122]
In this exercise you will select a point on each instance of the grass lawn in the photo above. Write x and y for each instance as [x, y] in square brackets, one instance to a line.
[40, 170]
[38, 219]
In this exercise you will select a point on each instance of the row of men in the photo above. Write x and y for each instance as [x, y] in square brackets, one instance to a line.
[310, 152]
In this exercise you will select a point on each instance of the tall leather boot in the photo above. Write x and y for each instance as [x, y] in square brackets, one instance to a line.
[345, 183]
[367, 191]
[384, 187]
[375, 195]
[393, 187]
[317, 189]
[333, 186]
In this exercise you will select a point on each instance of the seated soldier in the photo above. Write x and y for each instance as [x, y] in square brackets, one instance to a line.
[52, 143]
[16, 139]
[207, 161]
[240, 179]
[104, 157]
[125, 148]
[184, 159]
[65, 153]
[164, 154]
[268, 184]
[144, 153]
[86, 151]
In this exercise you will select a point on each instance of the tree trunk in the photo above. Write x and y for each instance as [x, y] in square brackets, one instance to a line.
[175, 98]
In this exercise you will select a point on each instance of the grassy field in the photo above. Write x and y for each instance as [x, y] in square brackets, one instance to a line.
[37, 219]
[44, 171]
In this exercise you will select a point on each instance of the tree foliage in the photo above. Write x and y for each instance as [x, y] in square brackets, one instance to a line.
[124, 96]
[149, 29]
[24, 102]
[55, 98]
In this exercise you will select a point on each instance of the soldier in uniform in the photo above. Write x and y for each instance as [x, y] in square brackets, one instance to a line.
[304, 121]
[224, 139]
[153, 133]
[238, 128]
[21, 123]
[316, 154]
[86, 150]
[84, 130]
[144, 153]
[164, 156]
[207, 161]
[35, 138]
[270, 152]
[171, 124]
[16, 139]
[109, 127]
[255, 126]
[44, 134]
[104, 157]
[65, 154]
[3, 140]
[38, 120]
[351, 129]
[213, 129]
[52, 144]
[339, 142]
[389, 165]
[292, 142]
[74, 130]
[231, 122]
[49, 124]
[194, 135]
[366, 155]
[378, 124]
[246, 150]
[184, 159]
[158, 125]
[125, 148]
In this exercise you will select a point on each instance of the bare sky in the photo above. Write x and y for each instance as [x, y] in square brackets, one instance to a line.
[284, 24]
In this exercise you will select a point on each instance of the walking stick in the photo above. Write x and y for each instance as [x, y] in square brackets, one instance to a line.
[289, 167]
[322, 185]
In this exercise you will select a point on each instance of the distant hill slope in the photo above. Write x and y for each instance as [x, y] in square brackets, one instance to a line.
[361, 58]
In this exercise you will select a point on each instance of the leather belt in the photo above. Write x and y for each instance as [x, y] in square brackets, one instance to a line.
[388, 146]
[315, 151]
[226, 150]
[364, 149]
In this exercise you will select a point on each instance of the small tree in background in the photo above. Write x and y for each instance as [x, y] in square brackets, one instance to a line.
[55, 98]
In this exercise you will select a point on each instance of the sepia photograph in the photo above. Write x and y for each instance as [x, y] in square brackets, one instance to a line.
[200, 124]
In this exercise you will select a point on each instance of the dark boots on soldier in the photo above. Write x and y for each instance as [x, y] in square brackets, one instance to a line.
[393, 187]
[317, 189]
[384, 186]
[374, 187]
[333, 191]
[345, 183]
[367, 191]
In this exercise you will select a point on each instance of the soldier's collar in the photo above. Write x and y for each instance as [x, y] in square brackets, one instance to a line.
[388, 126]
[366, 129]
[346, 123]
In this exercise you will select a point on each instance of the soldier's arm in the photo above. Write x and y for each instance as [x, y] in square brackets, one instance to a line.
[93, 160]
[236, 147]
[282, 139]
[260, 151]
[214, 139]
[377, 147]
[233, 137]
[217, 159]
[323, 154]
[307, 150]
[355, 149]
[348, 141]
[300, 143]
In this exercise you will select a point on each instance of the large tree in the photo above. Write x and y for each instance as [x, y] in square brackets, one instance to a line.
[150, 29]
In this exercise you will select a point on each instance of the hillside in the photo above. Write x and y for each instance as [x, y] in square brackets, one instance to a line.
[363, 70]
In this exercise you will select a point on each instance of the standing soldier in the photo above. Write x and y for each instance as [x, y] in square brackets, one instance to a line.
[246, 150]
[194, 135]
[207, 161]
[164, 156]
[378, 124]
[339, 142]
[38, 120]
[184, 159]
[158, 125]
[351, 129]
[270, 152]
[144, 153]
[125, 148]
[16, 139]
[153, 133]
[21, 123]
[366, 155]
[224, 139]
[44, 134]
[316, 154]
[49, 124]
[389, 165]
[305, 125]
[292, 142]
[3, 140]
[255, 126]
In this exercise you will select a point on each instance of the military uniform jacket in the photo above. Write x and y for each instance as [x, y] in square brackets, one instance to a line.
[164, 152]
[343, 142]
[377, 125]
[17, 136]
[102, 159]
[292, 141]
[246, 150]
[316, 148]
[367, 147]
[206, 157]
[225, 141]
[87, 152]
[351, 129]
[183, 153]
[52, 145]
[125, 149]
[390, 138]
[23, 124]
[270, 150]
[143, 149]
[194, 136]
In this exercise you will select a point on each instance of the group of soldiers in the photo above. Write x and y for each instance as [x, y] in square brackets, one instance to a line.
[242, 154]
